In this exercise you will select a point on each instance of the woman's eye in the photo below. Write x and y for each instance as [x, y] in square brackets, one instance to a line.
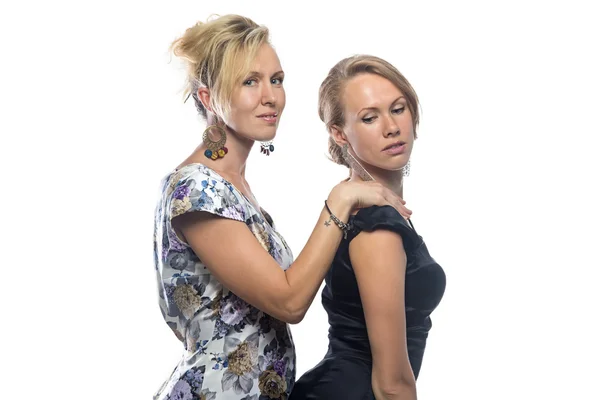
[277, 81]
[398, 110]
[249, 82]
[368, 120]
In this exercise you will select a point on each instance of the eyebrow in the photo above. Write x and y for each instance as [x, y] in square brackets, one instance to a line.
[375, 108]
[256, 73]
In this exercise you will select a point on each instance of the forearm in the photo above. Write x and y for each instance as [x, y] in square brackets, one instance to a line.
[305, 275]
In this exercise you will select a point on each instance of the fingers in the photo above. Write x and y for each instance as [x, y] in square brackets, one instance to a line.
[398, 203]
[377, 194]
[403, 210]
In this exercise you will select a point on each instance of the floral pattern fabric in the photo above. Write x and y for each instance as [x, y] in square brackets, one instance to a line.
[231, 349]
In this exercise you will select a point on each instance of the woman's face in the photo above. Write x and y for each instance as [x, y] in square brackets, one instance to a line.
[259, 99]
[378, 124]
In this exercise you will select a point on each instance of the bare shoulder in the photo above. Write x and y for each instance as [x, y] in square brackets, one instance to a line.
[377, 249]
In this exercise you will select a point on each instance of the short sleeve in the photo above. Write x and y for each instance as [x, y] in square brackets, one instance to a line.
[385, 217]
[201, 189]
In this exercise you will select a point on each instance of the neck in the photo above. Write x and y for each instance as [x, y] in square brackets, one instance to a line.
[392, 180]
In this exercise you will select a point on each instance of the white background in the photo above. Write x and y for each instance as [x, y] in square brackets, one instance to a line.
[504, 184]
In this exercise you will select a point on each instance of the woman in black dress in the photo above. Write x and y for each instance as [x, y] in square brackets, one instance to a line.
[383, 284]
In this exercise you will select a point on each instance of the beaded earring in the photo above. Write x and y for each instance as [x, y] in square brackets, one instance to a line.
[216, 149]
[267, 147]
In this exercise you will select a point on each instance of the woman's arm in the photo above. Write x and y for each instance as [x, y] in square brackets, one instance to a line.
[379, 263]
[234, 256]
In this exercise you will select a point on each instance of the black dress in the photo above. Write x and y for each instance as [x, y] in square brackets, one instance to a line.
[345, 372]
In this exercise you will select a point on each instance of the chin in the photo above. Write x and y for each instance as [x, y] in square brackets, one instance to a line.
[259, 135]
[266, 134]
[392, 165]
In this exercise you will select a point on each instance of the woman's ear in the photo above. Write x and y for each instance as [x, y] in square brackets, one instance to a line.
[204, 97]
[338, 135]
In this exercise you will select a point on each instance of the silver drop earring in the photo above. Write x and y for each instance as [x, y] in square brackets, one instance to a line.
[355, 165]
[406, 169]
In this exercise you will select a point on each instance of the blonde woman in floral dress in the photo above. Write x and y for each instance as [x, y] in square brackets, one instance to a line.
[228, 285]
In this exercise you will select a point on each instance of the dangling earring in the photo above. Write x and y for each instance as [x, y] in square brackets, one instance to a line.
[406, 169]
[267, 147]
[216, 149]
[355, 165]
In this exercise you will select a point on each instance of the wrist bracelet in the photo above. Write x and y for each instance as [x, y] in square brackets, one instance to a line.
[343, 226]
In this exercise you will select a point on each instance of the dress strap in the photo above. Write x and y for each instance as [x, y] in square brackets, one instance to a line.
[412, 226]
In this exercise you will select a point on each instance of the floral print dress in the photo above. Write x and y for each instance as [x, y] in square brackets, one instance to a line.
[231, 349]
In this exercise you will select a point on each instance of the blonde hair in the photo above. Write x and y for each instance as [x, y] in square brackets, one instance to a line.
[218, 54]
[331, 107]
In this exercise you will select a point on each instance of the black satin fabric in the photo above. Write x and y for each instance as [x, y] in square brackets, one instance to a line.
[345, 372]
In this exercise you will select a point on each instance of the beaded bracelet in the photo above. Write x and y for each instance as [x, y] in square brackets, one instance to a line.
[342, 225]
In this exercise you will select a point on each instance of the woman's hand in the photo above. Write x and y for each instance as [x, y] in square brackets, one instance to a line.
[355, 194]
